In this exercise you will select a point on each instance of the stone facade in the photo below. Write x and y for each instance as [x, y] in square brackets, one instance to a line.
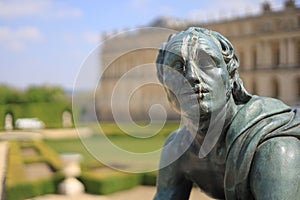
[268, 46]
[129, 84]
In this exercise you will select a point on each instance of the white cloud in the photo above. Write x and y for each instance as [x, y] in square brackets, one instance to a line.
[37, 8]
[17, 39]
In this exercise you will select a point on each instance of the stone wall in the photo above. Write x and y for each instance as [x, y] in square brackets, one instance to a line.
[268, 46]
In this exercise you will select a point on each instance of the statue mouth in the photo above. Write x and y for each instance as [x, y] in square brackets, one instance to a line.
[200, 90]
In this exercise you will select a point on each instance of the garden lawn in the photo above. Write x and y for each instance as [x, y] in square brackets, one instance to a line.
[98, 146]
[115, 148]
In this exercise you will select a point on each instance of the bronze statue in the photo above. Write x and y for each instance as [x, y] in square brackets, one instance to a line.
[232, 144]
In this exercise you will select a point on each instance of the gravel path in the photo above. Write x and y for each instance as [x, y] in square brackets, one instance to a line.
[137, 193]
[3, 158]
[147, 193]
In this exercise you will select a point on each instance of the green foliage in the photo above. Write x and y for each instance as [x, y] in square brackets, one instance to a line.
[44, 102]
[50, 156]
[110, 128]
[49, 112]
[150, 178]
[15, 169]
[34, 159]
[117, 137]
[44, 93]
[110, 181]
[71, 146]
[106, 183]
[46, 153]
[18, 186]
[27, 189]
[97, 143]
[11, 95]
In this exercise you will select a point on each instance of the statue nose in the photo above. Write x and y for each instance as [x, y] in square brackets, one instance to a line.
[191, 75]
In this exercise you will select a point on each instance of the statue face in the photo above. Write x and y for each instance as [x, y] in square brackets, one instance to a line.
[195, 79]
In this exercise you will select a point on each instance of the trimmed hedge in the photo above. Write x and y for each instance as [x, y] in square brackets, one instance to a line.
[15, 169]
[49, 112]
[150, 178]
[50, 156]
[17, 184]
[114, 181]
[96, 183]
[26, 189]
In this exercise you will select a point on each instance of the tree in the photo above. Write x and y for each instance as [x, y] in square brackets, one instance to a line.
[10, 95]
[45, 94]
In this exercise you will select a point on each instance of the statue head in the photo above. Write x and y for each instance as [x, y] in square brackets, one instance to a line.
[200, 64]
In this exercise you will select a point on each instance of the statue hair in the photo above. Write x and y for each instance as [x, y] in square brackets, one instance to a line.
[229, 56]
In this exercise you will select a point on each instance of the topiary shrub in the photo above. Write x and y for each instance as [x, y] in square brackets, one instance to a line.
[27, 189]
[18, 186]
[96, 183]
[150, 178]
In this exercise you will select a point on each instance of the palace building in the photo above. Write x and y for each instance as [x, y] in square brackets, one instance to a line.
[267, 44]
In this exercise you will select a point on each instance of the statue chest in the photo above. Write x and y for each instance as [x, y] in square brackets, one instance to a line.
[207, 173]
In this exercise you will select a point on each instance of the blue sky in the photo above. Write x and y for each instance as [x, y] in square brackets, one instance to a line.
[45, 41]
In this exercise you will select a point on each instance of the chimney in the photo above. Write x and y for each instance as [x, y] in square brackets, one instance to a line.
[290, 4]
[266, 7]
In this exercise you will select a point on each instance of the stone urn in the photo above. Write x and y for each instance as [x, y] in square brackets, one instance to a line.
[71, 170]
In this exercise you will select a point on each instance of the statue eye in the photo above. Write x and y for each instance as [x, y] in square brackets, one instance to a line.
[179, 66]
[205, 61]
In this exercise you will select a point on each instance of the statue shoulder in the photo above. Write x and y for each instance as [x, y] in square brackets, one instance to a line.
[276, 159]
[175, 135]
[256, 109]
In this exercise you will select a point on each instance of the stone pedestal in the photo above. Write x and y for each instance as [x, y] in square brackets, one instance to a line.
[71, 169]
[71, 186]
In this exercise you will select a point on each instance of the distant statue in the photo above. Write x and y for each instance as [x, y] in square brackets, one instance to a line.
[67, 119]
[8, 122]
[232, 144]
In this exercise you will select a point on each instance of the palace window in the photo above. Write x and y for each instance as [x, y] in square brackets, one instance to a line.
[267, 26]
[275, 54]
[275, 88]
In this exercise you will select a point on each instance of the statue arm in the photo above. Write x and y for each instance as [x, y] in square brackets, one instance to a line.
[172, 185]
[171, 182]
[275, 171]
